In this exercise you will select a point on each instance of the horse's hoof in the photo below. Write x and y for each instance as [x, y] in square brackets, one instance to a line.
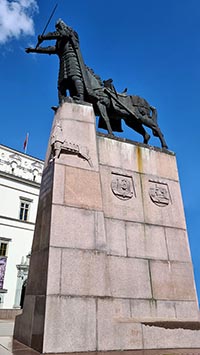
[146, 139]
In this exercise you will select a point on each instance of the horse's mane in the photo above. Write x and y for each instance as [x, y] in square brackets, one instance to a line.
[94, 74]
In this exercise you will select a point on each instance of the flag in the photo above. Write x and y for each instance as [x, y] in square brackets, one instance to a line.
[26, 142]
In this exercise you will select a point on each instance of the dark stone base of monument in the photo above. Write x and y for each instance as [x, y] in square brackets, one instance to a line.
[110, 266]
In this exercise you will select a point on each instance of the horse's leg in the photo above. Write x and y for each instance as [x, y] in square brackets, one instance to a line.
[155, 129]
[104, 115]
[161, 137]
[157, 132]
[138, 127]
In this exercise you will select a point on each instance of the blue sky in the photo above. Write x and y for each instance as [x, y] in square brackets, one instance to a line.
[150, 46]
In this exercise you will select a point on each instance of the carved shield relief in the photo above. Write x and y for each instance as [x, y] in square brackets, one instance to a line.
[122, 186]
[159, 193]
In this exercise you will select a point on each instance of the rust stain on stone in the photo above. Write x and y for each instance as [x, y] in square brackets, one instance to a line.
[139, 159]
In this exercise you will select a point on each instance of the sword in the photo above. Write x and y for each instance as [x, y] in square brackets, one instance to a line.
[47, 24]
[120, 103]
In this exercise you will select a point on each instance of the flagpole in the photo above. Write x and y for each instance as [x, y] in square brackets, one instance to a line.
[27, 137]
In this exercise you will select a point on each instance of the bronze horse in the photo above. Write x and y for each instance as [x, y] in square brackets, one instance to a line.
[112, 107]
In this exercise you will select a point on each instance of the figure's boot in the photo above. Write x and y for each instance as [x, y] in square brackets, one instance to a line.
[79, 90]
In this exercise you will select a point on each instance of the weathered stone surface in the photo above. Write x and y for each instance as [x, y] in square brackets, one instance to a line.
[85, 228]
[59, 184]
[187, 310]
[43, 223]
[116, 237]
[139, 159]
[84, 273]
[160, 338]
[100, 232]
[146, 241]
[129, 278]
[116, 154]
[80, 231]
[177, 244]
[39, 262]
[78, 192]
[54, 271]
[24, 322]
[74, 112]
[171, 215]
[110, 247]
[81, 135]
[70, 324]
[143, 309]
[114, 207]
[172, 280]
[114, 331]
[157, 163]
[38, 323]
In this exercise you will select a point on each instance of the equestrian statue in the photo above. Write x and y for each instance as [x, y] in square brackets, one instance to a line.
[83, 85]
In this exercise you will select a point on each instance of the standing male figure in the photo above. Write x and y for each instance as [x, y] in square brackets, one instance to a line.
[72, 75]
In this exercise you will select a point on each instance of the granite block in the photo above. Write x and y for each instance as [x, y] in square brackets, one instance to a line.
[157, 163]
[72, 227]
[24, 322]
[84, 154]
[76, 112]
[115, 206]
[129, 278]
[161, 338]
[39, 262]
[70, 325]
[146, 241]
[116, 154]
[47, 181]
[116, 237]
[114, 330]
[37, 231]
[54, 271]
[172, 280]
[100, 232]
[187, 310]
[42, 228]
[38, 323]
[137, 158]
[162, 202]
[147, 309]
[45, 224]
[177, 244]
[82, 189]
[58, 184]
[84, 273]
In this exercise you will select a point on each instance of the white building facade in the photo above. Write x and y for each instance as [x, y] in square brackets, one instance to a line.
[20, 178]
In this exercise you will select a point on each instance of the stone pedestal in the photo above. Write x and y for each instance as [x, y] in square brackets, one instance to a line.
[110, 253]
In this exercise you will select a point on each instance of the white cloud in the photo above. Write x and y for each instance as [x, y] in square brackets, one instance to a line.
[16, 18]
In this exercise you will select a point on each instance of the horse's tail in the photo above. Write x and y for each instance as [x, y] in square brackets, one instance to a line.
[154, 114]
[154, 119]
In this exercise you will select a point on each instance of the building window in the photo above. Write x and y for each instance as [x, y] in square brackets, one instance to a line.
[24, 210]
[13, 167]
[4, 242]
[3, 261]
[35, 174]
[3, 248]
